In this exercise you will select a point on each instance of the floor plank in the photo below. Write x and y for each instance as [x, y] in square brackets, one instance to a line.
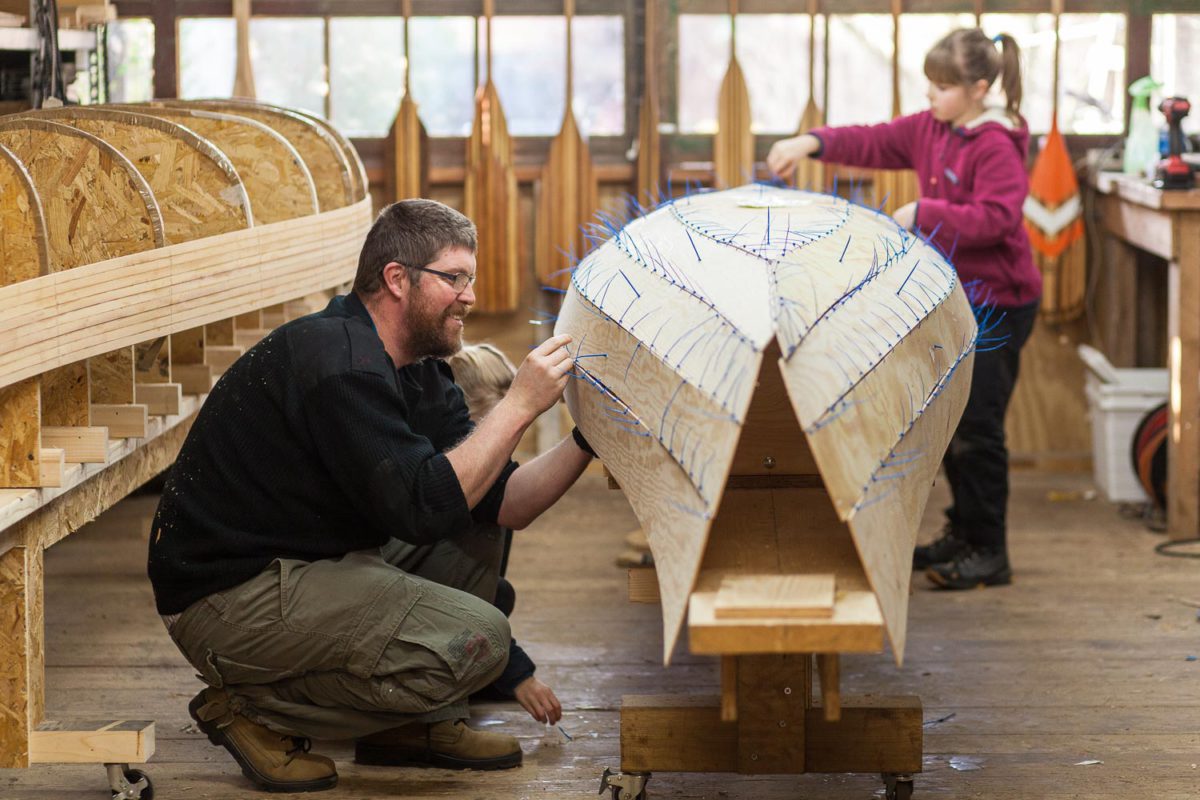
[1084, 658]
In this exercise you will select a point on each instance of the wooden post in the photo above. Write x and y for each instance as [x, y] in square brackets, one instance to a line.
[1183, 467]
[21, 652]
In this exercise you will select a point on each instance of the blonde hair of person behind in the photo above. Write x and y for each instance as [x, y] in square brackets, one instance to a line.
[484, 375]
[967, 55]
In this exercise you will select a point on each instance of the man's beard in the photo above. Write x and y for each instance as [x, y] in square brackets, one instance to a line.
[428, 337]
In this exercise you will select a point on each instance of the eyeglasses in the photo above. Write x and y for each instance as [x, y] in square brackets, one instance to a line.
[459, 280]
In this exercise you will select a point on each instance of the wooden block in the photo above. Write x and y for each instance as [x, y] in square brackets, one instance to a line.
[772, 694]
[643, 585]
[81, 445]
[160, 399]
[828, 668]
[219, 333]
[221, 357]
[251, 320]
[748, 596]
[249, 337]
[676, 733]
[53, 464]
[65, 396]
[684, 733]
[122, 421]
[855, 627]
[274, 316]
[92, 742]
[194, 378]
[20, 422]
[874, 734]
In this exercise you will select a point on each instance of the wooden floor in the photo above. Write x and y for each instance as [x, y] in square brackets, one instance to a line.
[1085, 657]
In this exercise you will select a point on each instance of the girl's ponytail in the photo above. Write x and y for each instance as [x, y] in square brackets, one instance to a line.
[1010, 69]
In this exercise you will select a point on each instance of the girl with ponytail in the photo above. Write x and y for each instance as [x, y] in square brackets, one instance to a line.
[969, 158]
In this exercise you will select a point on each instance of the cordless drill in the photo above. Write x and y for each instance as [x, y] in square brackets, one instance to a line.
[1173, 172]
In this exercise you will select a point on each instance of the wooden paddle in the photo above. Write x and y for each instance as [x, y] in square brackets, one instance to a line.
[733, 145]
[568, 190]
[243, 77]
[649, 158]
[490, 194]
[810, 173]
[895, 188]
[406, 151]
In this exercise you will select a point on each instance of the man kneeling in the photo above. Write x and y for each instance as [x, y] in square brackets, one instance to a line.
[327, 548]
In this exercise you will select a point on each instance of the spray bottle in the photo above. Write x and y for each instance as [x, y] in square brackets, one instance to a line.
[1141, 145]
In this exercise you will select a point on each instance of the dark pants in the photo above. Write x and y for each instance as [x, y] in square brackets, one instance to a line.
[976, 462]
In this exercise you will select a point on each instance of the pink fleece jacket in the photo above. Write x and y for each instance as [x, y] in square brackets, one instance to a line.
[973, 184]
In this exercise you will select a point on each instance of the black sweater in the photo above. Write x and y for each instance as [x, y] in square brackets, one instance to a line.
[310, 446]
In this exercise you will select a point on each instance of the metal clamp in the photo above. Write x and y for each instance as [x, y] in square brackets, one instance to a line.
[624, 785]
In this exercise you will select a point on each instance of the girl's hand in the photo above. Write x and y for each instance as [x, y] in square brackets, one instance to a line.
[786, 154]
[906, 215]
[538, 699]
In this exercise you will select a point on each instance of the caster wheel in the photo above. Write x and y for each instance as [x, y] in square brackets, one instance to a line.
[132, 784]
[897, 787]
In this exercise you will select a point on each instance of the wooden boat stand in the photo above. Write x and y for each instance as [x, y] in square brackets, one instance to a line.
[776, 533]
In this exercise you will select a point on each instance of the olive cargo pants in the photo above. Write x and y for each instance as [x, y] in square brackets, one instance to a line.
[347, 647]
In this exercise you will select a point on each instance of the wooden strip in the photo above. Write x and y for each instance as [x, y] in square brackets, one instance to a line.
[831, 696]
[81, 445]
[1183, 459]
[649, 153]
[159, 398]
[20, 423]
[52, 464]
[194, 378]
[110, 741]
[729, 688]
[122, 421]
[100, 307]
[792, 596]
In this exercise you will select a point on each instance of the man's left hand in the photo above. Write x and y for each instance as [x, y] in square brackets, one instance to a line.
[538, 699]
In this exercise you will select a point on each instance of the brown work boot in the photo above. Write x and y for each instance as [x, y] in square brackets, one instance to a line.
[449, 745]
[273, 761]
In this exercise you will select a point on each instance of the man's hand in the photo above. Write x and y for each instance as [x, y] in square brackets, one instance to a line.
[786, 154]
[542, 377]
[538, 699]
[906, 215]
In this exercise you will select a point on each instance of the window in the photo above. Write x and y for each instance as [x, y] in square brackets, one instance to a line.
[599, 56]
[366, 73]
[130, 60]
[286, 53]
[1092, 85]
[772, 50]
[1175, 58]
[918, 34]
[860, 69]
[443, 73]
[1035, 36]
[528, 68]
[207, 51]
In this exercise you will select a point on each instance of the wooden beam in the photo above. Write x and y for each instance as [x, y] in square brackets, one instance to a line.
[684, 733]
[729, 688]
[20, 423]
[221, 357]
[159, 398]
[17, 663]
[194, 378]
[91, 742]
[82, 445]
[122, 421]
[772, 695]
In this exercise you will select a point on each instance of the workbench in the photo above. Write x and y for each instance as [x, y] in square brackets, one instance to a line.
[1137, 217]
